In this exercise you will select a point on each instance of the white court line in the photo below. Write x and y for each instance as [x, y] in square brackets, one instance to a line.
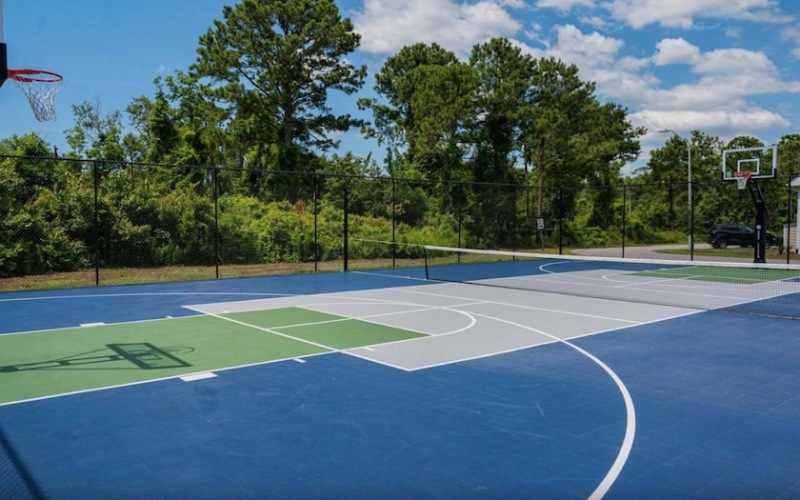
[520, 306]
[162, 379]
[352, 350]
[269, 330]
[630, 425]
[147, 294]
[367, 317]
[666, 289]
[660, 281]
[73, 327]
[627, 444]
[458, 330]
[630, 410]
[344, 318]
[198, 376]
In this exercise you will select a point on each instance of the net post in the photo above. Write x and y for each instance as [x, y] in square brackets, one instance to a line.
[425, 259]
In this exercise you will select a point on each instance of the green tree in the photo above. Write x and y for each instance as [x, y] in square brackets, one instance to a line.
[33, 237]
[179, 129]
[505, 79]
[275, 61]
[571, 140]
[708, 192]
[96, 134]
[397, 83]
[426, 102]
[667, 167]
[789, 155]
[559, 100]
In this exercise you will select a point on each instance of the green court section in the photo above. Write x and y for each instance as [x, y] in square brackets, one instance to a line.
[734, 275]
[47, 363]
[325, 329]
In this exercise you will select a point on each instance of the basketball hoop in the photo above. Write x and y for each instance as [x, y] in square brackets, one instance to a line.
[741, 178]
[40, 87]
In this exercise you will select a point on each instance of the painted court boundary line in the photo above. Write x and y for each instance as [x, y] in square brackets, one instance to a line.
[628, 439]
[630, 426]
[146, 294]
[76, 327]
[521, 306]
[267, 330]
[630, 410]
[162, 379]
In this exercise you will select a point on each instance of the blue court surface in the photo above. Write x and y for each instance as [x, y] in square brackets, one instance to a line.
[505, 394]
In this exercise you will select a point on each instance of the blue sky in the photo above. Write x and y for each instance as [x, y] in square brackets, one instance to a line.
[721, 66]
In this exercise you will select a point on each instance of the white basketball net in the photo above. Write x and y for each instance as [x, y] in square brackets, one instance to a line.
[741, 179]
[41, 90]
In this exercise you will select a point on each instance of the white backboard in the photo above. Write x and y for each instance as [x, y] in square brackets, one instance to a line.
[761, 161]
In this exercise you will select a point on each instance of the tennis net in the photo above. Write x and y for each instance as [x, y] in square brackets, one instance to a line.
[764, 289]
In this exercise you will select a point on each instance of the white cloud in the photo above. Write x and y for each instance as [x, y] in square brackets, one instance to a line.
[678, 13]
[564, 5]
[792, 35]
[387, 26]
[718, 90]
[734, 62]
[733, 33]
[585, 51]
[597, 57]
[718, 96]
[675, 51]
[719, 120]
[596, 22]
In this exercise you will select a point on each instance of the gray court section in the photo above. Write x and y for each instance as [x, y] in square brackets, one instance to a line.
[502, 321]
[638, 287]
[464, 321]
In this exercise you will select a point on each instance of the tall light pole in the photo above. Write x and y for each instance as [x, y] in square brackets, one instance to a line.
[689, 187]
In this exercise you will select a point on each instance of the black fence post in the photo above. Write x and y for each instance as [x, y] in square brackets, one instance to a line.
[316, 224]
[785, 241]
[394, 221]
[460, 217]
[514, 229]
[691, 220]
[346, 228]
[560, 220]
[96, 180]
[624, 214]
[215, 180]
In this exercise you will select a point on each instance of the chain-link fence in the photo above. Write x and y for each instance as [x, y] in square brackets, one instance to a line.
[77, 222]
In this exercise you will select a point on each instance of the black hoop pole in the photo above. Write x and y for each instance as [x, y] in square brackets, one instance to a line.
[3, 63]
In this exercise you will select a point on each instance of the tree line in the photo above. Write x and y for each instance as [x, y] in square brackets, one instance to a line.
[493, 140]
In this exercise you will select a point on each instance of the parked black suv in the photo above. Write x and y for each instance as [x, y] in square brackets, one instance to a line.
[722, 235]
